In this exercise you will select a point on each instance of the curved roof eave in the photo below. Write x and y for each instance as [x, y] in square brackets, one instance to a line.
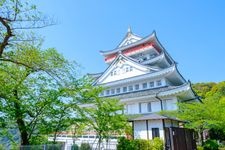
[147, 38]
[179, 89]
[161, 46]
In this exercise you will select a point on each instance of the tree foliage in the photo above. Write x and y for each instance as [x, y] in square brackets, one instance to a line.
[203, 88]
[105, 116]
[17, 19]
[210, 114]
[44, 91]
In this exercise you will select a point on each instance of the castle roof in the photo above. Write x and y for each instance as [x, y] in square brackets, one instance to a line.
[130, 43]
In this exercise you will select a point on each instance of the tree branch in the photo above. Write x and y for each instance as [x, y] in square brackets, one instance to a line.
[7, 36]
[18, 63]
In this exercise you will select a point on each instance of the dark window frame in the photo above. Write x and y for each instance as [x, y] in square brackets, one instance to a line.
[117, 90]
[144, 85]
[151, 84]
[149, 107]
[155, 133]
[124, 89]
[136, 87]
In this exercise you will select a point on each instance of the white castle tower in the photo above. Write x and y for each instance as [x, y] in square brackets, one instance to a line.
[145, 78]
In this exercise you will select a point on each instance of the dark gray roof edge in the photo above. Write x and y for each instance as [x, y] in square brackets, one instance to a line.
[146, 38]
[153, 116]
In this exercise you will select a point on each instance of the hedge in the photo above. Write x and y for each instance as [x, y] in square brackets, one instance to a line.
[137, 144]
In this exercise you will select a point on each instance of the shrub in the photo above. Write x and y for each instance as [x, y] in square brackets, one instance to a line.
[124, 144]
[211, 145]
[200, 148]
[157, 144]
[85, 146]
[74, 147]
[2, 147]
[14, 146]
[53, 147]
[140, 144]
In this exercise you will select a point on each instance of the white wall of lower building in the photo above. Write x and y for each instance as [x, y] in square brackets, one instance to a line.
[140, 129]
[156, 124]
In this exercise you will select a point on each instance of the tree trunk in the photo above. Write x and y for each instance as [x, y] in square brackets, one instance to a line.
[99, 142]
[23, 132]
[201, 136]
[20, 122]
[54, 138]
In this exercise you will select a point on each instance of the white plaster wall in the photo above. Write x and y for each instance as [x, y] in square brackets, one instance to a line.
[163, 80]
[140, 130]
[156, 106]
[156, 124]
[125, 75]
[133, 108]
[144, 107]
[170, 104]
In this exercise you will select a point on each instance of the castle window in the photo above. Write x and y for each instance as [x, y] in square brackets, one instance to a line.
[149, 107]
[101, 94]
[112, 91]
[144, 85]
[131, 68]
[130, 88]
[125, 89]
[111, 73]
[159, 83]
[107, 92]
[127, 69]
[139, 107]
[137, 87]
[151, 84]
[155, 132]
[118, 90]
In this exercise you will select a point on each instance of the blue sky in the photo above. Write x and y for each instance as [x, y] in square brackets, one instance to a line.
[193, 32]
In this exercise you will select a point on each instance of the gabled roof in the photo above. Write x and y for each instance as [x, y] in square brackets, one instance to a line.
[138, 42]
[143, 68]
[129, 38]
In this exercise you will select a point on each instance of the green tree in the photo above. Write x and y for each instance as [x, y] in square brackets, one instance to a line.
[207, 115]
[105, 116]
[203, 88]
[43, 82]
[77, 129]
